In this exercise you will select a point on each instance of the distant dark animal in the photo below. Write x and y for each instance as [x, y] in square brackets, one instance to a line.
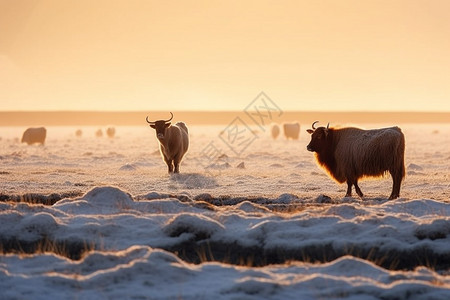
[110, 132]
[291, 130]
[34, 136]
[173, 142]
[349, 154]
[78, 133]
[275, 130]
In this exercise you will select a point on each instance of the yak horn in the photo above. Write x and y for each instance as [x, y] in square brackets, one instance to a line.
[152, 123]
[170, 118]
[314, 124]
[328, 125]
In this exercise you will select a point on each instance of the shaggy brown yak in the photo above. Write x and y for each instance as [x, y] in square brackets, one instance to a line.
[349, 154]
[173, 142]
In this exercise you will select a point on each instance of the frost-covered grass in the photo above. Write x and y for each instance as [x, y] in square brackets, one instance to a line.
[131, 161]
[93, 218]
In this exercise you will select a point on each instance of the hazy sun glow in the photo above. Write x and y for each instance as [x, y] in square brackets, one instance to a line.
[218, 55]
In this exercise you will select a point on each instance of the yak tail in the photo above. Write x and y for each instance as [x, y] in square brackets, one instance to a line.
[183, 126]
[400, 156]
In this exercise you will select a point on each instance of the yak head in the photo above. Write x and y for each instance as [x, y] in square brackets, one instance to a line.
[160, 126]
[318, 138]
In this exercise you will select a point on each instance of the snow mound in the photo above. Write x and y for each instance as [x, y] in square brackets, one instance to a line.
[414, 167]
[40, 223]
[168, 206]
[98, 200]
[437, 229]
[108, 196]
[128, 167]
[286, 198]
[147, 271]
[276, 165]
[418, 208]
[346, 211]
[191, 226]
[319, 251]
[241, 165]
[323, 199]
[250, 207]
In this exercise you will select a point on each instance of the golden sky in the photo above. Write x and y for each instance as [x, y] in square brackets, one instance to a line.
[219, 55]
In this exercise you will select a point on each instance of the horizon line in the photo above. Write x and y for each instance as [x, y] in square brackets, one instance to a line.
[215, 111]
[87, 118]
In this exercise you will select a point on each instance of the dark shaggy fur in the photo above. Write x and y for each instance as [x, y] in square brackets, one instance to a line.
[349, 154]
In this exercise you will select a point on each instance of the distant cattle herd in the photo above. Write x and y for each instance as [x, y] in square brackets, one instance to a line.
[290, 130]
[37, 135]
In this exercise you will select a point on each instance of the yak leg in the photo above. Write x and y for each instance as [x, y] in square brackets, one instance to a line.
[397, 181]
[176, 163]
[169, 163]
[358, 190]
[170, 166]
[350, 183]
[177, 166]
[349, 189]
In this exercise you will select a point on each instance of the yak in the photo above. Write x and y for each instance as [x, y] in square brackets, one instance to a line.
[34, 135]
[111, 132]
[291, 130]
[99, 133]
[78, 133]
[349, 154]
[275, 131]
[173, 142]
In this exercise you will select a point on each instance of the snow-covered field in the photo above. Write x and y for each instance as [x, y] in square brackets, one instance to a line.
[249, 217]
